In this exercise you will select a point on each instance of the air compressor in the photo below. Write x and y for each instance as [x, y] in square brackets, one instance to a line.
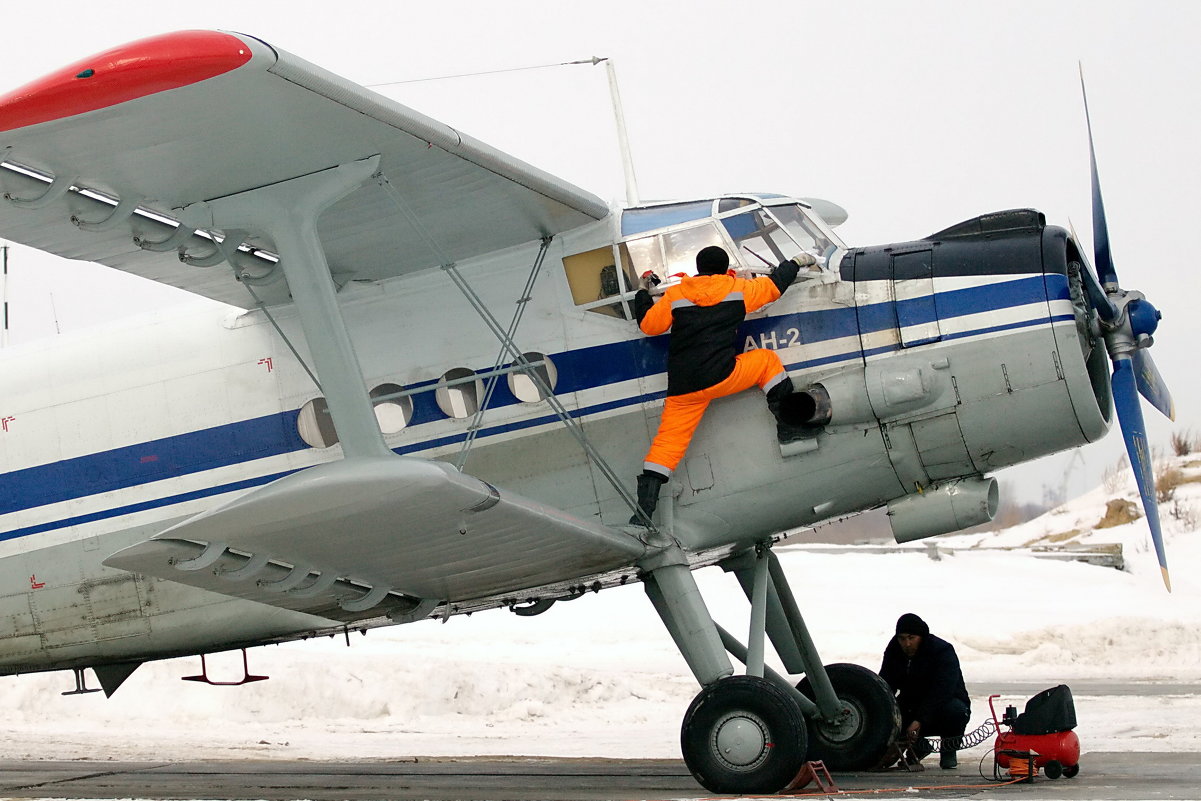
[1040, 738]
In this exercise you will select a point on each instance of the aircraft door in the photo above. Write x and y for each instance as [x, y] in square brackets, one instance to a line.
[913, 298]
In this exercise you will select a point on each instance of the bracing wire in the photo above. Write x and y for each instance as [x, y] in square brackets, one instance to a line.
[507, 344]
[594, 61]
[263, 308]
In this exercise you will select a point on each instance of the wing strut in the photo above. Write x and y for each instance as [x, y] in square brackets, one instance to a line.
[288, 212]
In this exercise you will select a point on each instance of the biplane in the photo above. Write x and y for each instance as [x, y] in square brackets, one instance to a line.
[427, 395]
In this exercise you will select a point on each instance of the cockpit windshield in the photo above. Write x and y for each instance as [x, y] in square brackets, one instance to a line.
[758, 232]
[756, 236]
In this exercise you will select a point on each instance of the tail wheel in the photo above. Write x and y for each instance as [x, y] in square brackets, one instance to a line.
[744, 734]
[869, 725]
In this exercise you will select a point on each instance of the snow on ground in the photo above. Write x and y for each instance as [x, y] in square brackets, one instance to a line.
[599, 677]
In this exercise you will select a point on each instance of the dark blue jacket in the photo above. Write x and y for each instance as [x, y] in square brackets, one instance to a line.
[926, 684]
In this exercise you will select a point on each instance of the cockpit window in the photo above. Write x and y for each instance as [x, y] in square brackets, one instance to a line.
[766, 237]
[672, 253]
[732, 203]
[807, 234]
[759, 239]
[595, 279]
[665, 239]
[635, 221]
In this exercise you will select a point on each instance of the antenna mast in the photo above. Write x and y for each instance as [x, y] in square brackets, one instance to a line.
[623, 139]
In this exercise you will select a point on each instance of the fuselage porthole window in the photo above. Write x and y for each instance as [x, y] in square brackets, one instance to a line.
[315, 424]
[459, 393]
[522, 384]
[391, 412]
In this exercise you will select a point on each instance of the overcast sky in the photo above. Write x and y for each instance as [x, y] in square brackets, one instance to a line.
[912, 116]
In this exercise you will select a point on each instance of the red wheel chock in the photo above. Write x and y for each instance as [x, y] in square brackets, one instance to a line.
[812, 772]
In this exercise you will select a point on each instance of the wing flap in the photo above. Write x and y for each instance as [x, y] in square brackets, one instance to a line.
[356, 538]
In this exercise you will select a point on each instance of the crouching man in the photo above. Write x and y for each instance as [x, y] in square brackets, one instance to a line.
[923, 670]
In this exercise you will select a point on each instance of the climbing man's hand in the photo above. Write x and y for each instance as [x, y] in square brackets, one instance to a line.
[804, 260]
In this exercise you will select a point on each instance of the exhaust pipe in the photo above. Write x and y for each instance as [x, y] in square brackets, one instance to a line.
[953, 506]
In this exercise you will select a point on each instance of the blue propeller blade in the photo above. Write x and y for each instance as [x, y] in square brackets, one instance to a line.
[1096, 295]
[1151, 384]
[1105, 270]
[1134, 432]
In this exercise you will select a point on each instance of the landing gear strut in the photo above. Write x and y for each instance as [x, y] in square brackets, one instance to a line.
[752, 734]
[858, 739]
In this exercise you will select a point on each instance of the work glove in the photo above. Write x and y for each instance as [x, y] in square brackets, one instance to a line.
[804, 260]
[649, 279]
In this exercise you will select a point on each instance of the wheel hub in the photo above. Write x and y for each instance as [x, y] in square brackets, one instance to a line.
[741, 740]
[848, 723]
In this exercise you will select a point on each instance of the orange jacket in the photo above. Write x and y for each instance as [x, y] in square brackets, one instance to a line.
[703, 313]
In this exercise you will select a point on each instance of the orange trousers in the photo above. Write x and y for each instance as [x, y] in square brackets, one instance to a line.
[683, 413]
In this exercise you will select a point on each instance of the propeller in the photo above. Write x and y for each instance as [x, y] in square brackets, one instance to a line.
[1127, 321]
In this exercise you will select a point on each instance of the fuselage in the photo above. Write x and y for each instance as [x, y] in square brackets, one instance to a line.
[944, 359]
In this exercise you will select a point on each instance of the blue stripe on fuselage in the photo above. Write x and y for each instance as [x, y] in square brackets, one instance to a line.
[578, 370]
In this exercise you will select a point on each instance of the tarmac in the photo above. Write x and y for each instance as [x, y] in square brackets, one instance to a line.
[1102, 777]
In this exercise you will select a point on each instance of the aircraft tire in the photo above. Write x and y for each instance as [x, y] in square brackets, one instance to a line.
[745, 735]
[872, 727]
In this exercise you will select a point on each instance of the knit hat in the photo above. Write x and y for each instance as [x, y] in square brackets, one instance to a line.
[712, 260]
[910, 623]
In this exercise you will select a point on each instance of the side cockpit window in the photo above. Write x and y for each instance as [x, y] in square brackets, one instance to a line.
[670, 254]
[597, 284]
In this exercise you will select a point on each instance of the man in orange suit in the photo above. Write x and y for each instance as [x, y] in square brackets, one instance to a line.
[703, 313]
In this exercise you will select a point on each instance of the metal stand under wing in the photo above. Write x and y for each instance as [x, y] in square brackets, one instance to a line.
[368, 537]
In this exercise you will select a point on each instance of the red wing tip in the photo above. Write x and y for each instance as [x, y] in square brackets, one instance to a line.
[127, 72]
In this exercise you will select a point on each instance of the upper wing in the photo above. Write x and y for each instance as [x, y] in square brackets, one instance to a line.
[362, 538]
[112, 156]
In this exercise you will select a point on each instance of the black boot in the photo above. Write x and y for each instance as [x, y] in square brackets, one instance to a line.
[649, 484]
[947, 760]
[785, 432]
[777, 394]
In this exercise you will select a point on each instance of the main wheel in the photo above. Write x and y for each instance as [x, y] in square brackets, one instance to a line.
[870, 724]
[743, 734]
[1053, 769]
[1070, 771]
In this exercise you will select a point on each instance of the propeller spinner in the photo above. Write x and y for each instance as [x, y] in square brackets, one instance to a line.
[1128, 322]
